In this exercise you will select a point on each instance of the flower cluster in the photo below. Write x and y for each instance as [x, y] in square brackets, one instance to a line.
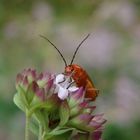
[57, 108]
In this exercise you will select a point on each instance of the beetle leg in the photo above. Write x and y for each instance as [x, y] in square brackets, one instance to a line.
[70, 77]
[70, 84]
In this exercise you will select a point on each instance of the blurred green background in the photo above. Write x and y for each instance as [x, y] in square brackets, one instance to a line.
[111, 55]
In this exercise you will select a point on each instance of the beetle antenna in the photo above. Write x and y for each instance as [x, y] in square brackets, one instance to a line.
[78, 48]
[56, 49]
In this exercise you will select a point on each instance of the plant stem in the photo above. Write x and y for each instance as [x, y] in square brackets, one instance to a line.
[40, 132]
[27, 127]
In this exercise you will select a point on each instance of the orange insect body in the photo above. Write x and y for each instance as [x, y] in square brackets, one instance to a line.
[82, 79]
[79, 75]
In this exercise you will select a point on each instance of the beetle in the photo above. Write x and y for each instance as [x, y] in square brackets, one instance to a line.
[79, 75]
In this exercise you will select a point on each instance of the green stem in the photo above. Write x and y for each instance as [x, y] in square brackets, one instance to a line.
[27, 127]
[40, 132]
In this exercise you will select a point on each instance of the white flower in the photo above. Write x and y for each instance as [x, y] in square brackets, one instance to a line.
[63, 85]
[59, 78]
[62, 93]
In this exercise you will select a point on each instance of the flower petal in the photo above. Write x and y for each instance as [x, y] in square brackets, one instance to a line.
[19, 78]
[73, 89]
[81, 122]
[62, 93]
[59, 78]
[41, 94]
[96, 135]
[96, 124]
[78, 109]
[76, 97]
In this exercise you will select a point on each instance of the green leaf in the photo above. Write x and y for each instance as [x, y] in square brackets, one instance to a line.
[17, 100]
[58, 131]
[60, 137]
[22, 95]
[61, 131]
[34, 107]
[33, 126]
[40, 105]
[64, 113]
[42, 117]
[80, 125]
[50, 105]
[30, 94]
